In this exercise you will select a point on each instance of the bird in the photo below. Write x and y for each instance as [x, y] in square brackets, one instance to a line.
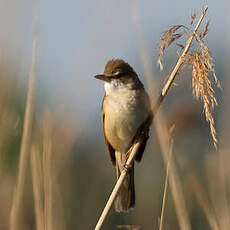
[125, 111]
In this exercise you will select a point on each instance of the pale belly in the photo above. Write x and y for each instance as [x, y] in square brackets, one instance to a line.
[122, 121]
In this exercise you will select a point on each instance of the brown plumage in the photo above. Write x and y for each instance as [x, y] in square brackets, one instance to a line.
[125, 111]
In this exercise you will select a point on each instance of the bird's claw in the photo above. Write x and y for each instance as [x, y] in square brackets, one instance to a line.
[126, 167]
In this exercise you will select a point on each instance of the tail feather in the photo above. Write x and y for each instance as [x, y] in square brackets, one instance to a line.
[126, 195]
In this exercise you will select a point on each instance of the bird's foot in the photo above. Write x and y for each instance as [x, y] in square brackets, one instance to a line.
[126, 167]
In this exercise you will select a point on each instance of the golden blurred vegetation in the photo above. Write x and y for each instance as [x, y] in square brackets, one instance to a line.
[68, 178]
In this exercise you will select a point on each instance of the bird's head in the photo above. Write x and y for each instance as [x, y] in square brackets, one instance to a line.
[118, 75]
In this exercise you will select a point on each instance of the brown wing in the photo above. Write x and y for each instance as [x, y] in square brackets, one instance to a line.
[110, 149]
[141, 149]
[144, 125]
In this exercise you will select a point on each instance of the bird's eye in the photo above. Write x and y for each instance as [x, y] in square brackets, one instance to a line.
[118, 74]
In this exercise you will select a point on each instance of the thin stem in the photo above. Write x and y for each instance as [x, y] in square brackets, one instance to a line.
[37, 182]
[26, 136]
[166, 185]
[47, 175]
[176, 189]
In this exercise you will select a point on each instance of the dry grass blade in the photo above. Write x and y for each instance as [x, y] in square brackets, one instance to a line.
[205, 32]
[180, 45]
[218, 173]
[27, 128]
[166, 185]
[37, 181]
[167, 39]
[45, 166]
[174, 179]
[47, 172]
[193, 17]
[204, 202]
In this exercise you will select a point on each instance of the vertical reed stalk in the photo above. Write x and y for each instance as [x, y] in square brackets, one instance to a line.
[37, 181]
[174, 180]
[26, 137]
[166, 185]
[47, 173]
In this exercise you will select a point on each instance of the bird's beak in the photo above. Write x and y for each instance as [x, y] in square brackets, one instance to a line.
[102, 77]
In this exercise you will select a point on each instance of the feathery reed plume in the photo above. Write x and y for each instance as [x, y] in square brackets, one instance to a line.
[207, 59]
[168, 37]
[202, 88]
[202, 65]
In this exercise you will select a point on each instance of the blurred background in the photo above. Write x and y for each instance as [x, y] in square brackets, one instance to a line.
[68, 174]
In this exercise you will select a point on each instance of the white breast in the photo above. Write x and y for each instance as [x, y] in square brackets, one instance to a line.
[125, 110]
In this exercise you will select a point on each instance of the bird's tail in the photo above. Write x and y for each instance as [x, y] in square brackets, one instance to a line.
[126, 195]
